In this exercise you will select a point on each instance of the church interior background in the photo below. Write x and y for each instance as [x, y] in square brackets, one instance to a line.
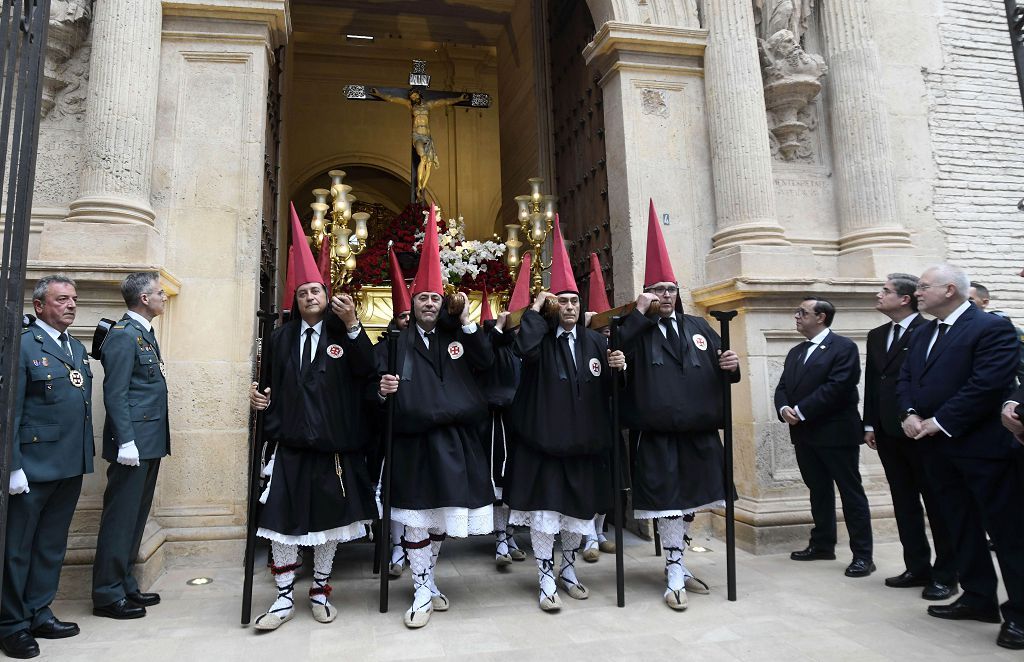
[788, 145]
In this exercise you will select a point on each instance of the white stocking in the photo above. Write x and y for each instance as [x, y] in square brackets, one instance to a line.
[570, 543]
[436, 538]
[397, 552]
[501, 534]
[323, 561]
[543, 549]
[599, 525]
[672, 530]
[417, 550]
[511, 530]
[285, 563]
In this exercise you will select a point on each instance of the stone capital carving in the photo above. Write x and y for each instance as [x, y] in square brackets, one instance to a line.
[792, 80]
[770, 16]
[69, 26]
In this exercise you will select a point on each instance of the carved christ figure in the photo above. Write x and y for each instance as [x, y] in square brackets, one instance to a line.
[422, 142]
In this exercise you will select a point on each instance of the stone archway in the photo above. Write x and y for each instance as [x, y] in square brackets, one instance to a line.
[676, 13]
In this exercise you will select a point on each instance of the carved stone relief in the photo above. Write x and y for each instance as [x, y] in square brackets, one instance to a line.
[792, 76]
[69, 26]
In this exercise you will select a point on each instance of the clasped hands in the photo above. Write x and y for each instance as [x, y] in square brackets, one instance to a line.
[917, 428]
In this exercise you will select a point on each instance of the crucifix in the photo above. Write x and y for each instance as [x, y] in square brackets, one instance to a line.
[419, 100]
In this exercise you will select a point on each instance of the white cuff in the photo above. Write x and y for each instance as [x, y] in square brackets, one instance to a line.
[869, 428]
[941, 428]
[469, 328]
[798, 414]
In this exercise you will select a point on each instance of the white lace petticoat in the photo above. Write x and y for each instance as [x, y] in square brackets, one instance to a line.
[455, 521]
[551, 522]
[655, 514]
[352, 531]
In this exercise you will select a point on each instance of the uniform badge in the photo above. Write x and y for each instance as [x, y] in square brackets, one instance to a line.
[45, 361]
[163, 369]
[700, 341]
[77, 380]
[35, 362]
[335, 351]
[456, 350]
[595, 367]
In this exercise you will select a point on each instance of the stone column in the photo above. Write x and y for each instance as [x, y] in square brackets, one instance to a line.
[865, 181]
[120, 120]
[741, 158]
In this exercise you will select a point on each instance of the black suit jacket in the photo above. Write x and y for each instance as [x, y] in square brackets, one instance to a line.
[963, 383]
[825, 389]
[881, 372]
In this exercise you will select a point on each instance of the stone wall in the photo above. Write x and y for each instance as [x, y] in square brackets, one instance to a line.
[977, 133]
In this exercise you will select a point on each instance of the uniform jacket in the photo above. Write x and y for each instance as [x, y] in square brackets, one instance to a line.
[881, 372]
[134, 392]
[963, 383]
[825, 389]
[53, 436]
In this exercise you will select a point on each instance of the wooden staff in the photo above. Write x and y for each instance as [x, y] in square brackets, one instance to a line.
[723, 317]
[620, 577]
[385, 478]
[255, 468]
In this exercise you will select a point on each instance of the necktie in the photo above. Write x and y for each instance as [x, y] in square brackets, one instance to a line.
[434, 349]
[896, 330]
[66, 345]
[943, 327]
[307, 351]
[567, 360]
[804, 346]
[670, 332]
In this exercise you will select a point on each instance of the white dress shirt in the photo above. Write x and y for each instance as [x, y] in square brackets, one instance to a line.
[572, 340]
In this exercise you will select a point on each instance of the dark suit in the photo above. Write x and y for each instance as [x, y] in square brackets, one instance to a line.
[903, 460]
[827, 442]
[135, 397]
[963, 383]
[53, 444]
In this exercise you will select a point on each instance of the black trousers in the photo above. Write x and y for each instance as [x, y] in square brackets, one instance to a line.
[976, 495]
[37, 539]
[126, 504]
[820, 467]
[903, 461]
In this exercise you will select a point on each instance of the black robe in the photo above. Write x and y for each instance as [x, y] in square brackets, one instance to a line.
[438, 458]
[314, 420]
[499, 388]
[560, 424]
[672, 406]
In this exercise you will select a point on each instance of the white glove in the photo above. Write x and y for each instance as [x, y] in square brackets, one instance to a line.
[128, 455]
[19, 482]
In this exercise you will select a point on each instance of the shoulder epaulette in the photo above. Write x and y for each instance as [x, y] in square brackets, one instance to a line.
[120, 325]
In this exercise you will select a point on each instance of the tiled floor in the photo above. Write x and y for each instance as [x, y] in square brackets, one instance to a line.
[786, 611]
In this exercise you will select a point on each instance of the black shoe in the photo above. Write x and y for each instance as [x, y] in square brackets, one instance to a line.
[958, 611]
[860, 568]
[812, 553]
[939, 591]
[19, 645]
[121, 610]
[55, 629]
[907, 580]
[141, 599]
[1011, 635]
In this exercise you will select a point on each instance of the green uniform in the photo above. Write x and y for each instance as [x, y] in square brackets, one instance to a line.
[135, 397]
[53, 445]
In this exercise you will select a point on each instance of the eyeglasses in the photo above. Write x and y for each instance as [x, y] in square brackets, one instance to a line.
[886, 291]
[663, 290]
[801, 313]
[925, 286]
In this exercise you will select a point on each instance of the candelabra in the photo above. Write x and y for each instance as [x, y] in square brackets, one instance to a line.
[331, 223]
[536, 215]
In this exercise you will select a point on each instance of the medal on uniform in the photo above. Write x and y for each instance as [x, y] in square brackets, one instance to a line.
[456, 350]
[77, 380]
[163, 369]
[335, 351]
[595, 367]
[700, 341]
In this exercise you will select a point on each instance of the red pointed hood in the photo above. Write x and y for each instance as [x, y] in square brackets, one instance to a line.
[289, 283]
[562, 279]
[400, 300]
[659, 267]
[428, 276]
[521, 292]
[597, 300]
[301, 264]
[485, 308]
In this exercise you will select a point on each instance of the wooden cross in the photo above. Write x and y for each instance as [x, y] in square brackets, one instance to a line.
[419, 100]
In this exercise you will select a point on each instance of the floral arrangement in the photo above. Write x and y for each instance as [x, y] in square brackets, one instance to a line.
[463, 261]
[468, 264]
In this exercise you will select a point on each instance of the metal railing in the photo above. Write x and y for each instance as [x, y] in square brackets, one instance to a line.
[23, 26]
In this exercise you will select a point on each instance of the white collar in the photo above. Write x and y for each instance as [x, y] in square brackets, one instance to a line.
[305, 325]
[50, 331]
[146, 324]
[905, 322]
[951, 318]
[562, 331]
[820, 338]
[423, 334]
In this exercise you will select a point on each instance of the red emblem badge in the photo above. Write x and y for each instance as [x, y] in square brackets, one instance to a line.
[595, 367]
[456, 350]
[700, 342]
[335, 351]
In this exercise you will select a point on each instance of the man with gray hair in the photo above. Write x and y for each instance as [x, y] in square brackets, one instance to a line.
[956, 376]
[52, 449]
[136, 435]
[902, 458]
